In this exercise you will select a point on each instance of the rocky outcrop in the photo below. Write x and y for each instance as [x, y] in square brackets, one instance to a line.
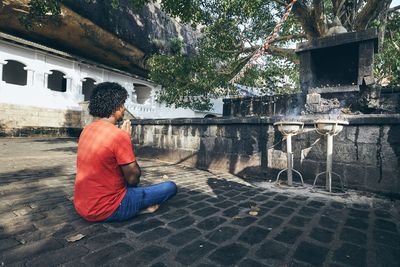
[120, 38]
[147, 28]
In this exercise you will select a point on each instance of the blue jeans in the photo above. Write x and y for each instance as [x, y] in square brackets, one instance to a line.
[138, 198]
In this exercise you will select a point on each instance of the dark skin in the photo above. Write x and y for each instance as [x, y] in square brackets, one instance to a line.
[132, 170]
[131, 173]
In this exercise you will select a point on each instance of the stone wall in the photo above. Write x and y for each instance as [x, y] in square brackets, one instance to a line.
[231, 144]
[263, 105]
[366, 153]
[19, 120]
[386, 100]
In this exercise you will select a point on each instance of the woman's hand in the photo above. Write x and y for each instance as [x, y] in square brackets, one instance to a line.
[127, 127]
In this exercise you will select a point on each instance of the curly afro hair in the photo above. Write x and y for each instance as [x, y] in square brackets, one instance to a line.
[106, 98]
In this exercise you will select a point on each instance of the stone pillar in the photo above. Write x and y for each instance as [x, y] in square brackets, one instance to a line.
[226, 110]
[80, 86]
[153, 97]
[1, 70]
[154, 92]
[46, 80]
[69, 84]
[306, 71]
[128, 88]
[76, 84]
[133, 94]
[39, 73]
[366, 60]
[31, 76]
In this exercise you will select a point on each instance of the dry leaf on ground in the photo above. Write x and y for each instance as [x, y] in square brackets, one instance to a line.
[254, 210]
[74, 238]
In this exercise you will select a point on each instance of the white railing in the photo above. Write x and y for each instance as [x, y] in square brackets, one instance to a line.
[141, 110]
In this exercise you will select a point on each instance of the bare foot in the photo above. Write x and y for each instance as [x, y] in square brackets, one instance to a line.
[150, 209]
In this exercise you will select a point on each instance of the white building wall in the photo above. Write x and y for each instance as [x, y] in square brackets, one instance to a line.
[35, 93]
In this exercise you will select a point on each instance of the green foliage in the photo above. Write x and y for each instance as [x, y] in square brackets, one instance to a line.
[387, 62]
[176, 46]
[187, 81]
[40, 12]
[172, 46]
[115, 3]
[231, 31]
[279, 75]
[189, 11]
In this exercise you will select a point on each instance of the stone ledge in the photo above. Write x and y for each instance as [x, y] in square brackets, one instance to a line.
[40, 131]
[208, 121]
[364, 119]
[340, 39]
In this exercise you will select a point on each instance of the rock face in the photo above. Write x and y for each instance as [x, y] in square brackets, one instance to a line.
[120, 38]
[145, 28]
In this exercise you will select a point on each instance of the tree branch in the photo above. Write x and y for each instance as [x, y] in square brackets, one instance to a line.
[370, 12]
[334, 7]
[303, 15]
[319, 17]
[396, 46]
[289, 37]
[280, 2]
[288, 53]
[279, 51]
[393, 9]
[240, 63]
[339, 8]
[359, 4]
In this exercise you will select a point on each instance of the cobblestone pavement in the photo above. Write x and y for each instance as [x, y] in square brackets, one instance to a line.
[216, 219]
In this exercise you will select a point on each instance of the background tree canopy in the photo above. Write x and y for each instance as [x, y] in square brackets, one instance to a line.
[233, 30]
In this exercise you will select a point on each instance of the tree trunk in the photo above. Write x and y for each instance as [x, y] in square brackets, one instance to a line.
[369, 12]
[319, 17]
[307, 21]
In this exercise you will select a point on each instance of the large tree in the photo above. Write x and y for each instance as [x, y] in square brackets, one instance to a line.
[233, 30]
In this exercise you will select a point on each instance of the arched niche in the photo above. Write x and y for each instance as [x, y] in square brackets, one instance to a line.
[209, 116]
[143, 93]
[56, 81]
[14, 72]
[88, 85]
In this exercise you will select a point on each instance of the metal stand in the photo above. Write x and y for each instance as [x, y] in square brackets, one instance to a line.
[289, 168]
[329, 172]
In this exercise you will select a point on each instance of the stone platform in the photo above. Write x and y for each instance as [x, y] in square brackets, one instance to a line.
[216, 219]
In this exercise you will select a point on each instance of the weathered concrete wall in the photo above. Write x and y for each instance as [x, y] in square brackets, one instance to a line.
[263, 105]
[204, 143]
[366, 153]
[19, 120]
[290, 105]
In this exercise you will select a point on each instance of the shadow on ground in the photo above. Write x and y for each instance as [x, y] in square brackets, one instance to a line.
[215, 220]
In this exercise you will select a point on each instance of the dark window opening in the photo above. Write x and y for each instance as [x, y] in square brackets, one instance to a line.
[336, 65]
[209, 116]
[56, 81]
[14, 73]
[142, 92]
[87, 88]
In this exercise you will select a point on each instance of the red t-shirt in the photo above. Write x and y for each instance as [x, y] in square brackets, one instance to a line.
[100, 185]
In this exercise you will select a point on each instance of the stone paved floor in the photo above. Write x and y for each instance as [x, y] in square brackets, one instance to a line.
[206, 224]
